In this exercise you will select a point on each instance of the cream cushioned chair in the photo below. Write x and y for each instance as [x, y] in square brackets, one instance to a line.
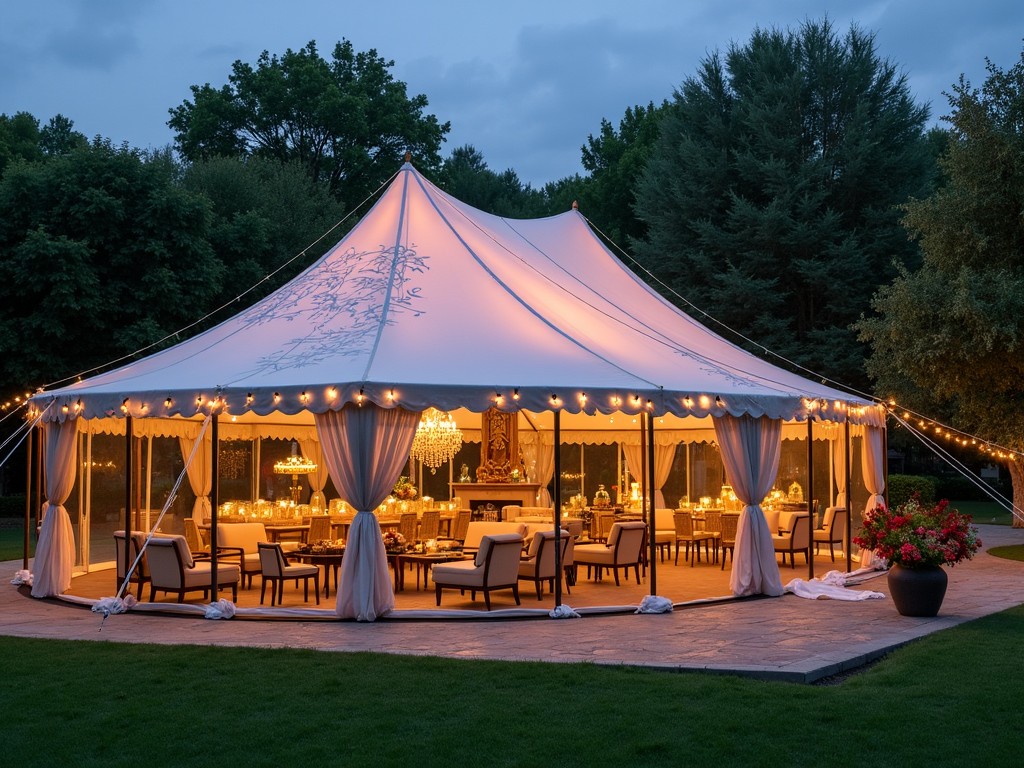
[832, 531]
[623, 550]
[798, 539]
[477, 529]
[540, 563]
[496, 566]
[239, 542]
[172, 569]
[276, 571]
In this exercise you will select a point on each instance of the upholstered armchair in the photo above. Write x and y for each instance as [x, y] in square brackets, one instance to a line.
[797, 539]
[623, 550]
[539, 565]
[140, 575]
[172, 569]
[496, 566]
[832, 531]
[275, 571]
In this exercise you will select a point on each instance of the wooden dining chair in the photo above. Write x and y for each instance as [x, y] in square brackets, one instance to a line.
[319, 529]
[430, 525]
[461, 524]
[688, 535]
[727, 537]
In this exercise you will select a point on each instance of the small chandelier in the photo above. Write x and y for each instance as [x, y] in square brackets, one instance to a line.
[437, 439]
[295, 465]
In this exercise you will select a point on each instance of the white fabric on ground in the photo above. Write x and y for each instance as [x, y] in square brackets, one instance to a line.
[222, 609]
[22, 577]
[831, 586]
[109, 605]
[563, 612]
[655, 604]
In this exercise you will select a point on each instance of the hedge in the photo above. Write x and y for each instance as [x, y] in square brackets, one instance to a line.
[902, 487]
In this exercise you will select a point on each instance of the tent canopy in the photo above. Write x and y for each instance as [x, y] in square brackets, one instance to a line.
[429, 302]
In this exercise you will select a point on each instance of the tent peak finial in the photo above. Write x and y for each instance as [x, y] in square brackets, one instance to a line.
[575, 205]
[408, 157]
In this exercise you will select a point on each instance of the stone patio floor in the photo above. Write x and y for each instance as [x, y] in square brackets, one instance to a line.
[787, 638]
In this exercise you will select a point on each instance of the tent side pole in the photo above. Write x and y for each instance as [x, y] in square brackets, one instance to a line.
[128, 476]
[811, 506]
[885, 459]
[28, 495]
[558, 508]
[651, 532]
[848, 544]
[214, 503]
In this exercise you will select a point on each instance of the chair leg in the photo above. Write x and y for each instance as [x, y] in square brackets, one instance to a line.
[305, 590]
[515, 593]
[637, 569]
[263, 590]
[615, 570]
[537, 584]
[437, 591]
[487, 598]
[234, 592]
[316, 585]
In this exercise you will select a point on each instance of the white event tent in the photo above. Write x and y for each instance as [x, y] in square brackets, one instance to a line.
[430, 302]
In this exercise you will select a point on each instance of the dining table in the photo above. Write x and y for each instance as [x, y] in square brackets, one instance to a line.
[330, 561]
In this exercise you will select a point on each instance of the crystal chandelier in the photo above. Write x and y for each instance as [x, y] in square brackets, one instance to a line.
[295, 465]
[437, 439]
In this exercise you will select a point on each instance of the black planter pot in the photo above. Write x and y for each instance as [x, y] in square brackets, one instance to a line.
[917, 591]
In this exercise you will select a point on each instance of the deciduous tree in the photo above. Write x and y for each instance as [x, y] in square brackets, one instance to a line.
[949, 336]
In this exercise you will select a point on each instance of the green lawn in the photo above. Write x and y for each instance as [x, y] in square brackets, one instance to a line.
[987, 512]
[12, 543]
[950, 699]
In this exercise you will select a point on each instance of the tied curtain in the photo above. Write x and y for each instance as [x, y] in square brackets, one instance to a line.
[540, 460]
[664, 455]
[55, 550]
[199, 474]
[750, 452]
[839, 467]
[365, 449]
[317, 480]
[874, 480]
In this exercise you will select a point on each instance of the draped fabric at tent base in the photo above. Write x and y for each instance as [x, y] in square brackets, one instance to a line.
[365, 448]
[55, 550]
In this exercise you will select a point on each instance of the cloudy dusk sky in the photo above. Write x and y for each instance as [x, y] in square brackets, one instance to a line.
[524, 82]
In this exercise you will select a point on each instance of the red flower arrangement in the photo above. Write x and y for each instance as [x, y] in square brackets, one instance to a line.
[914, 536]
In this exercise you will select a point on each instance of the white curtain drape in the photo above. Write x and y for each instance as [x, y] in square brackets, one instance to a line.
[539, 456]
[311, 451]
[365, 449]
[872, 466]
[664, 455]
[839, 467]
[750, 450]
[199, 477]
[55, 550]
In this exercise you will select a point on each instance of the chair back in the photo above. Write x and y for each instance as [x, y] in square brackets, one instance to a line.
[193, 538]
[628, 540]
[430, 525]
[319, 528]
[543, 548]
[510, 512]
[272, 561]
[712, 522]
[838, 522]
[663, 519]
[684, 524]
[605, 523]
[407, 525]
[168, 558]
[135, 544]
[499, 555]
[801, 533]
[729, 525]
[461, 524]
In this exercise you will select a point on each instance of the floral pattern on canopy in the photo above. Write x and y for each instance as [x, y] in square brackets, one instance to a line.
[750, 452]
[55, 551]
[365, 448]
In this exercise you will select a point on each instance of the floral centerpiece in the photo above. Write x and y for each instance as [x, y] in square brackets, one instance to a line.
[915, 536]
[405, 490]
[916, 541]
[394, 541]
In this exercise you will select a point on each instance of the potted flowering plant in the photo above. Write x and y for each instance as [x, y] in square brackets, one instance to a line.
[917, 541]
[404, 489]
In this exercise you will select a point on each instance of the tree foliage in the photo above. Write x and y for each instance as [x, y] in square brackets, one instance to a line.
[949, 336]
[347, 120]
[466, 175]
[615, 161]
[770, 197]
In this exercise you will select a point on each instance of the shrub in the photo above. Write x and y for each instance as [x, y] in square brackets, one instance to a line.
[902, 487]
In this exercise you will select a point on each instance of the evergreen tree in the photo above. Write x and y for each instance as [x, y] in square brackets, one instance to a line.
[771, 196]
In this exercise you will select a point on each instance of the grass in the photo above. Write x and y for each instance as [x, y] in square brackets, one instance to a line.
[987, 512]
[1010, 552]
[12, 542]
[949, 699]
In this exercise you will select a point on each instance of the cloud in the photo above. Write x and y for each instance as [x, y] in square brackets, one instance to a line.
[99, 35]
